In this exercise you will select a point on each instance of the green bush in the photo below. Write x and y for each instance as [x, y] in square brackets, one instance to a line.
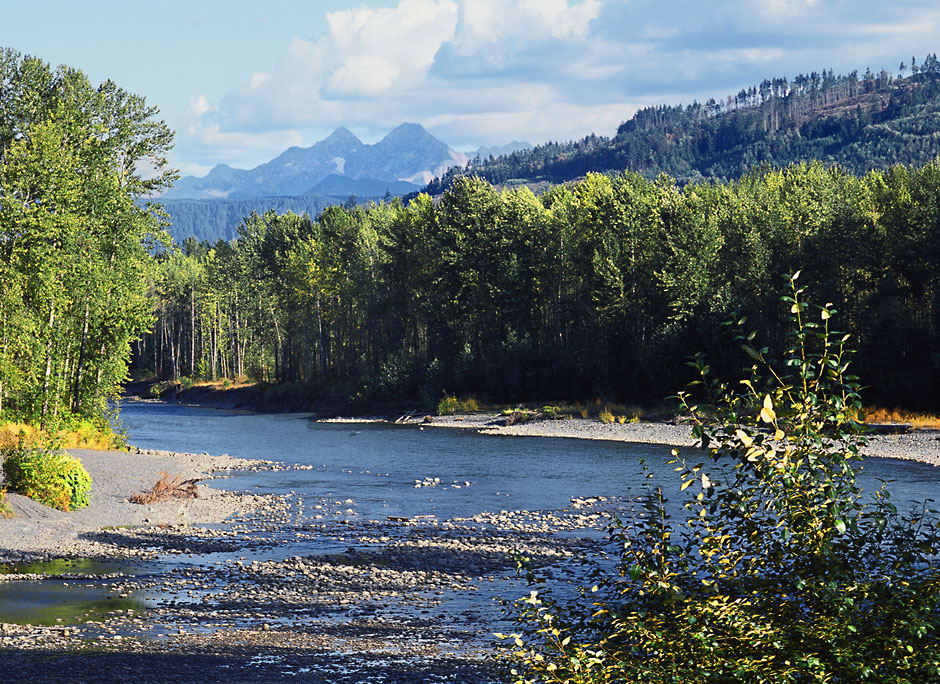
[779, 571]
[47, 475]
[447, 406]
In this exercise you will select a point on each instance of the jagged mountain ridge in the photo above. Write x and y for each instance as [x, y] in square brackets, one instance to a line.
[408, 154]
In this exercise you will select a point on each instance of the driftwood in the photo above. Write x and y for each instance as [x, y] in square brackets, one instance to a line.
[167, 487]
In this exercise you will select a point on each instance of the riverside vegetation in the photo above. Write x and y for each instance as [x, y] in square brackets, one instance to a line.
[595, 289]
[74, 263]
[779, 571]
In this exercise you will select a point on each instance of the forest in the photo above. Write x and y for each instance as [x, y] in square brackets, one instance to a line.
[600, 288]
[861, 122]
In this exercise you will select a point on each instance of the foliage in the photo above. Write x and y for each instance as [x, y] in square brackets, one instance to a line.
[46, 474]
[597, 288]
[447, 406]
[779, 569]
[74, 241]
[606, 416]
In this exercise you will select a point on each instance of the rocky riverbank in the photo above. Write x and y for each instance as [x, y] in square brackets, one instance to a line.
[278, 592]
[234, 587]
[918, 445]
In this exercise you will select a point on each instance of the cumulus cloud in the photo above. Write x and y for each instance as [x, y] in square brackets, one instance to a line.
[786, 8]
[487, 71]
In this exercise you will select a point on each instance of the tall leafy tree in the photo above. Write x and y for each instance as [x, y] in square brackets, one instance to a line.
[75, 163]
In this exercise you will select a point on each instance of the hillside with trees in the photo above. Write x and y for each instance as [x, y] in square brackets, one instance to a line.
[861, 122]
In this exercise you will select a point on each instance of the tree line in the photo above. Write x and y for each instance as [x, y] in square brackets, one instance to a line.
[74, 242]
[599, 288]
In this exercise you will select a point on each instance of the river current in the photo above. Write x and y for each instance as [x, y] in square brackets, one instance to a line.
[462, 473]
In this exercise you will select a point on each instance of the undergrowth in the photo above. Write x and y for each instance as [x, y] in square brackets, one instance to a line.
[775, 569]
[898, 415]
[47, 474]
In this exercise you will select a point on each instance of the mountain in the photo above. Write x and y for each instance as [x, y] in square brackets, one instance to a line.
[342, 186]
[218, 219]
[484, 152]
[872, 121]
[408, 153]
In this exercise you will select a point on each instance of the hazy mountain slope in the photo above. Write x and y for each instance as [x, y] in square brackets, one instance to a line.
[218, 219]
[407, 153]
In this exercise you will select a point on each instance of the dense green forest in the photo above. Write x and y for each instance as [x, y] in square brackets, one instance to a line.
[861, 122]
[216, 219]
[74, 242]
[600, 288]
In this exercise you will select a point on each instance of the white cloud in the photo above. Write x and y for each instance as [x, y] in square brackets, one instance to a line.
[485, 23]
[786, 8]
[487, 71]
[200, 105]
[379, 66]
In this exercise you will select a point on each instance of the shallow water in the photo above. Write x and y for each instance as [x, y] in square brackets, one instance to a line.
[377, 465]
[361, 472]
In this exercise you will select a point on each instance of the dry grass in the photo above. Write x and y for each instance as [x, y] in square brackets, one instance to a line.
[225, 383]
[85, 436]
[5, 511]
[10, 434]
[167, 487]
[897, 415]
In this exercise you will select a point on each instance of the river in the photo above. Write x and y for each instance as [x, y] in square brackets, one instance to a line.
[387, 561]
[378, 464]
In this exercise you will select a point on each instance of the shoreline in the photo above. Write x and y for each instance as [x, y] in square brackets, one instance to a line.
[37, 532]
[922, 446]
[228, 590]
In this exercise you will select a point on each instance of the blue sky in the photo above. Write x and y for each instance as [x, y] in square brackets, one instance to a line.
[240, 81]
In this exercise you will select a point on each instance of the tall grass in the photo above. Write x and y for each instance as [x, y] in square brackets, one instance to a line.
[897, 415]
[83, 435]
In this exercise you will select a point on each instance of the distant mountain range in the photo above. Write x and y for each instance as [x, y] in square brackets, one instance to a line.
[403, 161]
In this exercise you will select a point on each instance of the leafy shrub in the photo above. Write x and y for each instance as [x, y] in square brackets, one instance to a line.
[158, 388]
[516, 416]
[186, 382]
[447, 406]
[606, 416]
[47, 474]
[468, 405]
[779, 571]
[4, 509]
[553, 413]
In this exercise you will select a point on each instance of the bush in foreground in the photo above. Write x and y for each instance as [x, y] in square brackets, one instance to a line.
[46, 474]
[779, 571]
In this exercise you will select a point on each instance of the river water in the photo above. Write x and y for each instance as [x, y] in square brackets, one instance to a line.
[377, 465]
[350, 475]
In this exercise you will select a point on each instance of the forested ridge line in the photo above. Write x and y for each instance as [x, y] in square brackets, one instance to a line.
[859, 121]
[599, 288]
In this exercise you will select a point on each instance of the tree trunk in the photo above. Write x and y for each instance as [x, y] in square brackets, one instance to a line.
[76, 394]
[48, 371]
[192, 331]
